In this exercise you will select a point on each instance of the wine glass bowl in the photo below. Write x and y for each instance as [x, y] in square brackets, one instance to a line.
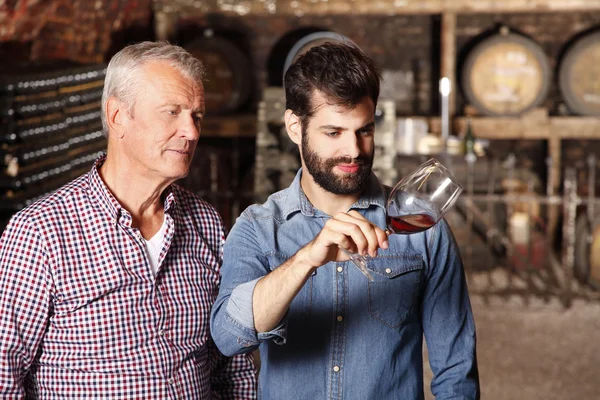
[416, 203]
[421, 199]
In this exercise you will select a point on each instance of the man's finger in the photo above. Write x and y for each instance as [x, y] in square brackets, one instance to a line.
[352, 231]
[371, 231]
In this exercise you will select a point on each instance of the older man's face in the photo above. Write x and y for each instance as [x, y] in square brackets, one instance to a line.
[162, 134]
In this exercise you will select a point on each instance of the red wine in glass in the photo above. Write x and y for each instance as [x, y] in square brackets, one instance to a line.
[416, 203]
[406, 224]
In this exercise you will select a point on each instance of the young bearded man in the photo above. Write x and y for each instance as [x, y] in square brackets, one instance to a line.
[324, 331]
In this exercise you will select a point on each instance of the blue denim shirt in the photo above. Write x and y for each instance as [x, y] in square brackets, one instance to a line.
[344, 337]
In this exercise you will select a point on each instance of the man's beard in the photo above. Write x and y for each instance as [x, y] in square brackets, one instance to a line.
[323, 174]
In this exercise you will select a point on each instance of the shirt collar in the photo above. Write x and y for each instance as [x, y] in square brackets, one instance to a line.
[296, 199]
[102, 195]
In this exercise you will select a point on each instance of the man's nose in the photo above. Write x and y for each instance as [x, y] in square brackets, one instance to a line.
[189, 127]
[351, 145]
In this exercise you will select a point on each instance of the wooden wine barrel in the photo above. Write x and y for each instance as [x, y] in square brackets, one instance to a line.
[311, 40]
[579, 76]
[228, 81]
[506, 74]
[587, 251]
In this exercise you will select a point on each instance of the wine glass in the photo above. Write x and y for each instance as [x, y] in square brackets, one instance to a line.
[416, 203]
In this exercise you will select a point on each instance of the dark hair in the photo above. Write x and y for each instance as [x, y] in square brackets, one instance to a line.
[341, 72]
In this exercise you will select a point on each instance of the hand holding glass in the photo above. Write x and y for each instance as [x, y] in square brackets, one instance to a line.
[416, 203]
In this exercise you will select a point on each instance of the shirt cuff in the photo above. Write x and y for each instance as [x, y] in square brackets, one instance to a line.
[239, 310]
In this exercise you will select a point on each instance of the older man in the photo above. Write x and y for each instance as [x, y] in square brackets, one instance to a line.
[106, 285]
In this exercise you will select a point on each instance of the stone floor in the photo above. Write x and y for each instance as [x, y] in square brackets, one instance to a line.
[536, 351]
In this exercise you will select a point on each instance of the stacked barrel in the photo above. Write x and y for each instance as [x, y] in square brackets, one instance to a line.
[50, 130]
[508, 74]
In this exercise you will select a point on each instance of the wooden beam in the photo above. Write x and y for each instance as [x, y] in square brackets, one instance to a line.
[575, 127]
[512, 6]
[165, 25]
[534, 127]
[505, 128]
[554, 211]
[376, 7]
[448, 57]
[554, 151]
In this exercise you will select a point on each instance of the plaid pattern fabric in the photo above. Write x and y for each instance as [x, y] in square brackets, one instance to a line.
[82, 314]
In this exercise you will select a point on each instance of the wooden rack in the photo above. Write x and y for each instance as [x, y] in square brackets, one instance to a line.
[531, 126]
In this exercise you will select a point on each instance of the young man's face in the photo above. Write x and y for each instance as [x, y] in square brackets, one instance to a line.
[337, 145]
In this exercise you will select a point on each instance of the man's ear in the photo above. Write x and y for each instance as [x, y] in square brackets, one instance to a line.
[116, 112]
[293, 126]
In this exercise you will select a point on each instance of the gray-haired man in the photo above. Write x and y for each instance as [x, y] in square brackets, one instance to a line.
[106, 285]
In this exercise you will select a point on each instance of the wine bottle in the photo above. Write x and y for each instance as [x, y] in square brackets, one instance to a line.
[469, 140]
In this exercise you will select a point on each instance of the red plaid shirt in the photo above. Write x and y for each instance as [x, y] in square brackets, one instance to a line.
[82, 314]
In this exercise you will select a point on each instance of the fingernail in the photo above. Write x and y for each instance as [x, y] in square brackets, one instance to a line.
[385, 244]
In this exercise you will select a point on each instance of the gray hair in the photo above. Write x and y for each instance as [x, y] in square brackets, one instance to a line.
[122, 79]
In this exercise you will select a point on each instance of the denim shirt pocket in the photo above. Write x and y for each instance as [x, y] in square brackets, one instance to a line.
[393, 294]
[302, 303]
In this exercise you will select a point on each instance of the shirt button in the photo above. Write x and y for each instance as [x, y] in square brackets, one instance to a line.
[340, 269]
[340, 318]
[388, 270]
[170, 381]
[336, 368]
[161, 332]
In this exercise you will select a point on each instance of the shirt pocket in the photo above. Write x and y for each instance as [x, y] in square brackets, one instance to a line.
[93, 307]
[302, 304]
[393, 294]
[85, 285]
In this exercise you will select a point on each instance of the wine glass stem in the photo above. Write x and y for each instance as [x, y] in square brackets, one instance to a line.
[360, 262]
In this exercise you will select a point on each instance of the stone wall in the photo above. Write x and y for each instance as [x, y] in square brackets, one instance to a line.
[86, 31]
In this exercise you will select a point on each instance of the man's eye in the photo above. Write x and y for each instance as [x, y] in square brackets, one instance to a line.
[366, 132]
[333, 134]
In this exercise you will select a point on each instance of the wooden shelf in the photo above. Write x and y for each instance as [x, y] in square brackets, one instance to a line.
[528, 127]
[575, 127]
[536, 125]
[523, 128]
[533, 126]
[229, 126]
[505, 128]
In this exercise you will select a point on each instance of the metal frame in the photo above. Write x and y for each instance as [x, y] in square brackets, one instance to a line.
[557, 278]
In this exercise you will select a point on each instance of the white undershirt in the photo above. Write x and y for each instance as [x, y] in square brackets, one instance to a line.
[154, 246]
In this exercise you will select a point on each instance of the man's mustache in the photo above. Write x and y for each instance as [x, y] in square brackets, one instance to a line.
[361, 160]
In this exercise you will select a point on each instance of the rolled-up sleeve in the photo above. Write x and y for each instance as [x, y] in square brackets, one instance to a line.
[232, 377]
[232, 319]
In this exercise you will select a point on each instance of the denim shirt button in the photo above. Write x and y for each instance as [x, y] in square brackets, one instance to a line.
[340, 269]
[340, 318]
[336, 368]
[388, 270]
